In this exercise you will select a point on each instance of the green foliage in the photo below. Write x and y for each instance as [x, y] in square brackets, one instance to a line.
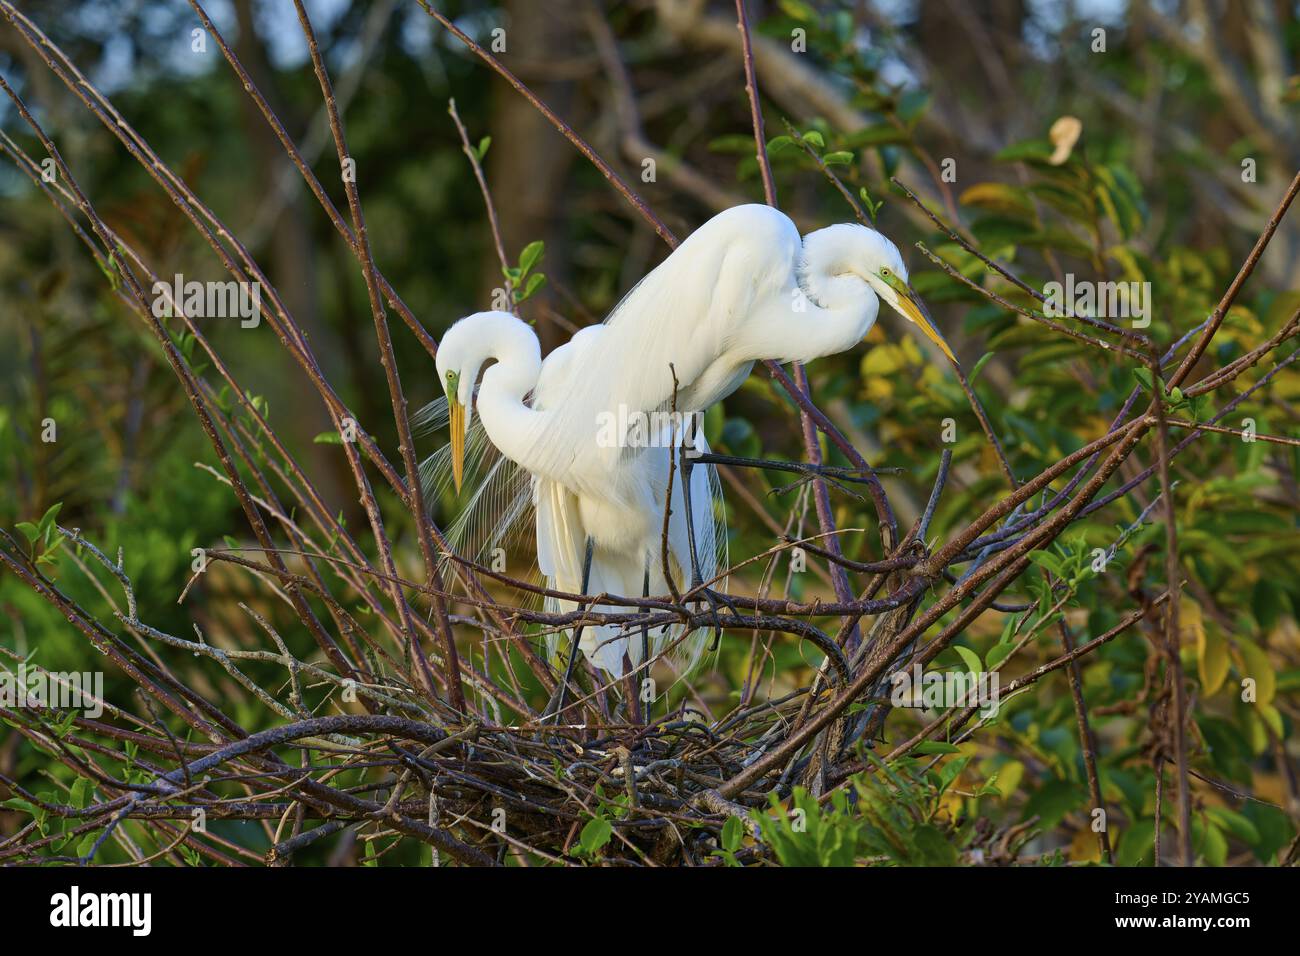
[524, 281]
[888, 817]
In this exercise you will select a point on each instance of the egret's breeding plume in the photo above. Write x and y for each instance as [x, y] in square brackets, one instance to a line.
[607, 408]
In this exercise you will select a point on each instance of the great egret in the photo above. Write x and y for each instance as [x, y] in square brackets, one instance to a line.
[743, 287]
[599, 522]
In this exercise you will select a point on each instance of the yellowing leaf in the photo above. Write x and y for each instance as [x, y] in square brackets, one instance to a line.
[1255, 665]
[1191, 624]
[1084, 848]
[883, 360]
[1212, 662]
[1271, 716]
[1211, 648]
[1009, 776]
[999, 197]
[879, 390]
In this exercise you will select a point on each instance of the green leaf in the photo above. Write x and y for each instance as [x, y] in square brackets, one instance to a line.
[798, 10]
[595, 834]
[872, 207]
[1052, 801]
[47, 519]
[29, 531]
[52, 543]
[934, 849]
[984, 360]
[109, 268]
[841, 158]
[930, 747]
[530, 256]
[483, 145]
[912, 104]
[951, 771]
[1045, 559]
[1235, 823]
[813, 138]
[1136, 843]
[1211, 842]
[1034, 150]
[778, 143]
[328, 438]
[969, 658]
[535, 282]
[733, 831]
[997, 654]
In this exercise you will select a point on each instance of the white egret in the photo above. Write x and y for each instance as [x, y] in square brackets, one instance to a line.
[744, 287]
[599, 523]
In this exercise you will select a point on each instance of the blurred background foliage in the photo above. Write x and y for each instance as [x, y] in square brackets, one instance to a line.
[1185, 97]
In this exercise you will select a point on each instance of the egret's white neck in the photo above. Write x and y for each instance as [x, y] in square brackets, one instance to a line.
[513, 427]
[827, 311]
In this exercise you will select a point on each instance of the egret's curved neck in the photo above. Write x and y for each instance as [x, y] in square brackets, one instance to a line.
[512, 426]
[828, 311]
[840, 322]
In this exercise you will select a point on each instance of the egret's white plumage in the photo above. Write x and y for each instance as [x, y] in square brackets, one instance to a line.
[621, 512]
[742, 288]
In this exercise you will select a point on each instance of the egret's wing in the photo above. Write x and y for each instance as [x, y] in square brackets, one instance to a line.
[677, 321]
[689, 310]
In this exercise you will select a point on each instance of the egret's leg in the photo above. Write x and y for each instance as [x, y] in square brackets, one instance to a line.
[560, 691]
[696, 578]
[645, 645]
[645, 629]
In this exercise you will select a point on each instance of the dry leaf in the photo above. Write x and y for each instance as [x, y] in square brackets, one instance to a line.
[1064, 134]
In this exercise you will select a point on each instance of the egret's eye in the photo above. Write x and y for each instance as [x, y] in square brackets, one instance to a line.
[884, 273]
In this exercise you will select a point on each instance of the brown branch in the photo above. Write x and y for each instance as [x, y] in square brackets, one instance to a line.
[493, 223]
[451, 661]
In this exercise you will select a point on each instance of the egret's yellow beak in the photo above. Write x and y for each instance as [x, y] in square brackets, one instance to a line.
[909, 303]
[457, 423]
